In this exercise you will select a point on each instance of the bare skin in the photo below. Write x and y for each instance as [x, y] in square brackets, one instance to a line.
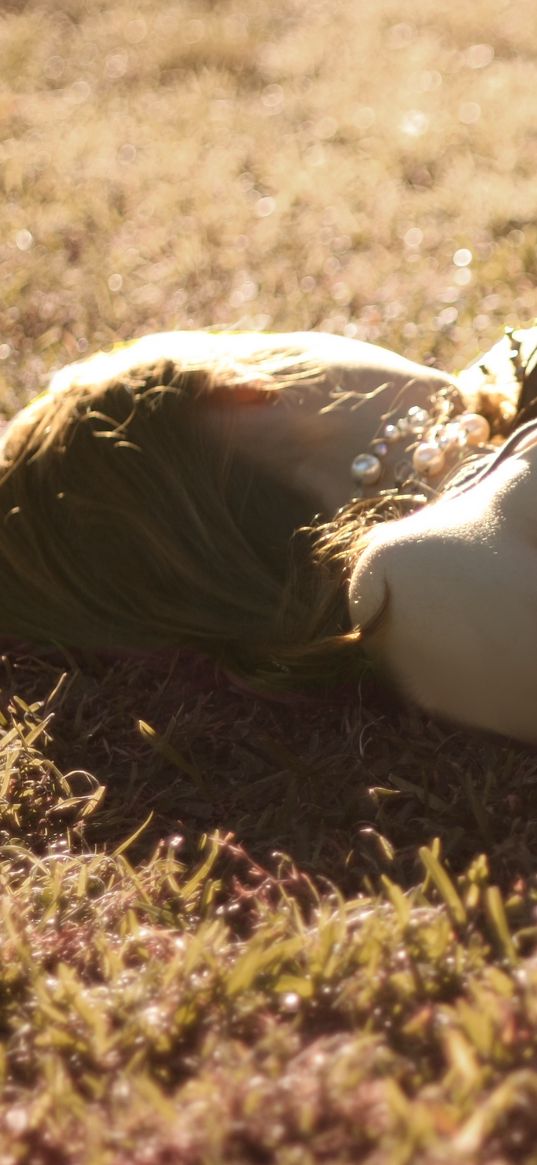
[312, 435]
[447, 601]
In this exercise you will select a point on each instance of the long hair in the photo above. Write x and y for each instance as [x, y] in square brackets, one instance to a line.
[128, 521]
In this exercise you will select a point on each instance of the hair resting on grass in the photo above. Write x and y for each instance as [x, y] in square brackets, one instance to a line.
[128, 522]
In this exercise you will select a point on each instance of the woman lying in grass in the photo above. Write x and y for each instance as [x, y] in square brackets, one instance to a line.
[197, 489]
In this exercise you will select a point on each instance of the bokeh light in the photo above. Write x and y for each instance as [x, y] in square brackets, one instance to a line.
[180, 165]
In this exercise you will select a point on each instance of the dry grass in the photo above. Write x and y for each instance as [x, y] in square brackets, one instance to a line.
[165, 998]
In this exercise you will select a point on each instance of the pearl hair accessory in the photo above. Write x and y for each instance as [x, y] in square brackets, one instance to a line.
[441, 437]
[433, 435]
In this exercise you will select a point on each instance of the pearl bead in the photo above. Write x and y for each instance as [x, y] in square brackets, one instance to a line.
[380, 448]
[476, 427]
[391, 434]
[366, 469]
[402, 471]
[428, 459]
[417, 419]
[447, 437]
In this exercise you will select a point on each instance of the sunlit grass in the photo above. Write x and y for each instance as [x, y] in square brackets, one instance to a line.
[224, 1012]
[190, 164]
[232, 930]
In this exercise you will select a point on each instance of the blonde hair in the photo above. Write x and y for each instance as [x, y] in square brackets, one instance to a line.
[127, 521]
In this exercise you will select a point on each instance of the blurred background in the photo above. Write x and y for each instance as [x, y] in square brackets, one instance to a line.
[362, 167]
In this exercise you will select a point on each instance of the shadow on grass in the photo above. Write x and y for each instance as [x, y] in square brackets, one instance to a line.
[348, 785]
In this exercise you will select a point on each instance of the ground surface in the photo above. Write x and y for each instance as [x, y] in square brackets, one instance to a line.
[227, 931]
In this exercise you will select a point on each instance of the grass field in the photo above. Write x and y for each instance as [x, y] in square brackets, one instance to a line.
[233, 930]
